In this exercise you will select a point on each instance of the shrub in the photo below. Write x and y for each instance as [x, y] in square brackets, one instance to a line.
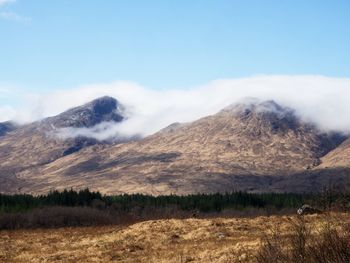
[330, 244]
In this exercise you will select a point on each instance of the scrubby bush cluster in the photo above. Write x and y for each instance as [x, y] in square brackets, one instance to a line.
[329, 244]
[300, 242]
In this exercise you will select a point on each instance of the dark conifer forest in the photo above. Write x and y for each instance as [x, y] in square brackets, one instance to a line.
[85, 207]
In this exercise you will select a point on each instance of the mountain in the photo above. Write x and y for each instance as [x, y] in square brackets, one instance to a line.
[339, 157]
[6, 127]
[35, 144]
[104, 109]
[250, 146]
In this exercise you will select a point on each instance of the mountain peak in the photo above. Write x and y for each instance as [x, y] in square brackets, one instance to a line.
[103, 104]
[256, 106]
[266, 115]
[99, 110]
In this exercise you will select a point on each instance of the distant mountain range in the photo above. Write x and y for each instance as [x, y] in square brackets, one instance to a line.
[256, 146]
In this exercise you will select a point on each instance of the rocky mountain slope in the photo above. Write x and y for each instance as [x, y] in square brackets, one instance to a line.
[6, 127]
[35, 144]
[253, 146]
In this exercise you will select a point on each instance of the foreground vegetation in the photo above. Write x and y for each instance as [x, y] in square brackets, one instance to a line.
[326, 242]
[228, 228]
[312, 238]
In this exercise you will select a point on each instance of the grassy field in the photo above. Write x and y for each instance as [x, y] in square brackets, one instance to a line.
[188, 240]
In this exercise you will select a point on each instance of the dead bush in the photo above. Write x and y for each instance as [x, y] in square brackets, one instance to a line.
[330, 244]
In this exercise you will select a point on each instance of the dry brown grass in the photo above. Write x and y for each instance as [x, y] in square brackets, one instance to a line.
[189, 240]
[325, 243]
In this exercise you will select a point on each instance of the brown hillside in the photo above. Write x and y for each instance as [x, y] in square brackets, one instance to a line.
[250, 146]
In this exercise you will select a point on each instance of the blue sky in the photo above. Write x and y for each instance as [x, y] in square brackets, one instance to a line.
[162, 44]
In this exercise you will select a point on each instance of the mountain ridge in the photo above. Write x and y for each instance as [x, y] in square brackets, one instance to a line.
[254, 147]
[88, 115]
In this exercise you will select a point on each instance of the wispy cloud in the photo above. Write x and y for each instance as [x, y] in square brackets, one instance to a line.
[4, 2]
[14, 17]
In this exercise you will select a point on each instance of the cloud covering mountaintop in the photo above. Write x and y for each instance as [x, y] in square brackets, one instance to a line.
[323, 100]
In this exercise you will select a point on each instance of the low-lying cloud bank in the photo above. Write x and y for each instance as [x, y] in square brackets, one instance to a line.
[105, 131]
[324, 100]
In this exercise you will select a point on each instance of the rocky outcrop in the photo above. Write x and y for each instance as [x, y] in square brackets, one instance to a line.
[308, 210]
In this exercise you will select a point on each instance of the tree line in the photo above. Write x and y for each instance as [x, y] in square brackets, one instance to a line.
[71, 208]
[126, 202]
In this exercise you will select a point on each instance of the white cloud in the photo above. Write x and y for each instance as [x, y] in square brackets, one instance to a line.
[104, 131]
[14, 17]
[324, 100]
[6, 111]
[4, 2]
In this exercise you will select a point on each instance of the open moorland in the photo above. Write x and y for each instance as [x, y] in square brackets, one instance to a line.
[172, 240]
